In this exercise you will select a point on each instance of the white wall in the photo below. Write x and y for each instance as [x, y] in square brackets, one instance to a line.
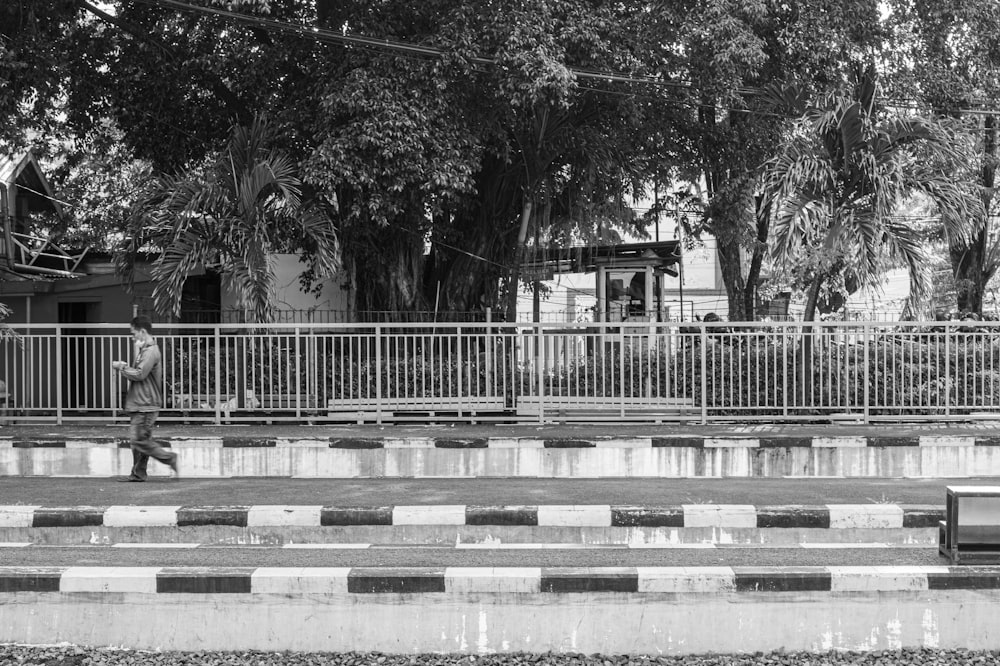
[289, 294]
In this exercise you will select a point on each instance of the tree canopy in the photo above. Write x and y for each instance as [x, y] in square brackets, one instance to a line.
[438, 137]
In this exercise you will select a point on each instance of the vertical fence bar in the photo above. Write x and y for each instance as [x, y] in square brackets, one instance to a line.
[704, 374]
[461, 366]
[947, 370]
[539, 372]
[217, 365]
[866, 373]
[378, 374]
[294, 381]
[784, 368]
[59, 378]
[621, 369]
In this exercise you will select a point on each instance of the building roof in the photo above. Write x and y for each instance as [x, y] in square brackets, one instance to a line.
[663, 255]
[24, 172]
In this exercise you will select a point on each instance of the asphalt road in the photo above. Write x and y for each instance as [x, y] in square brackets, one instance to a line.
[242, 556]
[48, 491]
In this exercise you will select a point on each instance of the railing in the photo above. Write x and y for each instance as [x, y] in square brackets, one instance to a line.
[34, 252]
[327, 316]
[648, 371]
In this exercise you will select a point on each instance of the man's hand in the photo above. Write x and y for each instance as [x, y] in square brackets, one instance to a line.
[118, 365]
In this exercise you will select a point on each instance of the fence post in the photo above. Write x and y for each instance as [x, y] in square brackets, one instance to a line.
[461, 365]
[866, 375]
[784, 368]
[539, 372]
[621, 369]
[947, 368]
[298, 375]
[218, 374]
[489, 353]
[378, 374]
[704, 374]
[59, 368]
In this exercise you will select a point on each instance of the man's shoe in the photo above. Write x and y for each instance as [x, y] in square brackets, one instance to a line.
[129, 479]
[173, 466]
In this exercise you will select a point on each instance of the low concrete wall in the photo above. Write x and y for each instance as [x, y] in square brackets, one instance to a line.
[321, 460]
[613, 611]
[462, 525]
[468, 536]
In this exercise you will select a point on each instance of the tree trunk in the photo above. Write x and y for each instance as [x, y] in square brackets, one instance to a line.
[515, 269]
[970, 263]
[732, 277]
[760, 247]
[810, 313]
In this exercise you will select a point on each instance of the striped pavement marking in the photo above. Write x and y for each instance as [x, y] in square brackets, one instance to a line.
[109, 579]
[746, 516]
[488, 545]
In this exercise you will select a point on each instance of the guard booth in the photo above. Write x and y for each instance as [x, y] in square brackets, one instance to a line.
[622, 367]
[629, 277]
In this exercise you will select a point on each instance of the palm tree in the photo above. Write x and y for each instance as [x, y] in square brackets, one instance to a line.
[232, 215]
[6, 332]
[835, 185]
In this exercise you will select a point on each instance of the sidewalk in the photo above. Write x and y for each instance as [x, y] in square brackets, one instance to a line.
[169, 430]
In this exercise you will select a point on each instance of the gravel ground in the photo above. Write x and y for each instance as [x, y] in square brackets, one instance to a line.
[74, 656]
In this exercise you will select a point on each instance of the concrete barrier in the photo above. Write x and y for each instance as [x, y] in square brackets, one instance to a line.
[646, 610]
[474, 525]
[666, 457]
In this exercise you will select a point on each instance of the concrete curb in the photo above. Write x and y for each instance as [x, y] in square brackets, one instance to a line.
[871, 441]
[465, 580]
[427, 457]
[829, 516]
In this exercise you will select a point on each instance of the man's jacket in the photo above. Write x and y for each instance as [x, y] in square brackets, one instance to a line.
[145, 390]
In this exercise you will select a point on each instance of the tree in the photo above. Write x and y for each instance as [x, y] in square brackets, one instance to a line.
[420, 151]
[948, 62]
[231, 214]
[467, 159]
[720, 132]
[835, 186]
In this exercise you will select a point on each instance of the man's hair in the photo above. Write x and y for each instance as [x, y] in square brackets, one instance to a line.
[142, 323]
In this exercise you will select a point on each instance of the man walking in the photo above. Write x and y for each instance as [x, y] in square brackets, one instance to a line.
[144, 399]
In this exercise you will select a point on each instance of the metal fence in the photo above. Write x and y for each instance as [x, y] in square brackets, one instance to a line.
[645, 372]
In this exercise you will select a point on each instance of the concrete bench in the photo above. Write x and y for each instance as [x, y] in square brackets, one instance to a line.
[252, 402]
[970, 532]
[606, 408]
[362, 410]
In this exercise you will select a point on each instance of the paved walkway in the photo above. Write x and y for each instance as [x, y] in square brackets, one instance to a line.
[486, 430]
[169, 430]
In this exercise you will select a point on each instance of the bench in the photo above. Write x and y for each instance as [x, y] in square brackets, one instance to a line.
[361, 410]
[252, 402]
[970, 532]
[602, 408]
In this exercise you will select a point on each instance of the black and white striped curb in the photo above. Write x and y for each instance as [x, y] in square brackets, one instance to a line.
[832, 516]
[484, 545]
[877, 441]
[499, 580]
